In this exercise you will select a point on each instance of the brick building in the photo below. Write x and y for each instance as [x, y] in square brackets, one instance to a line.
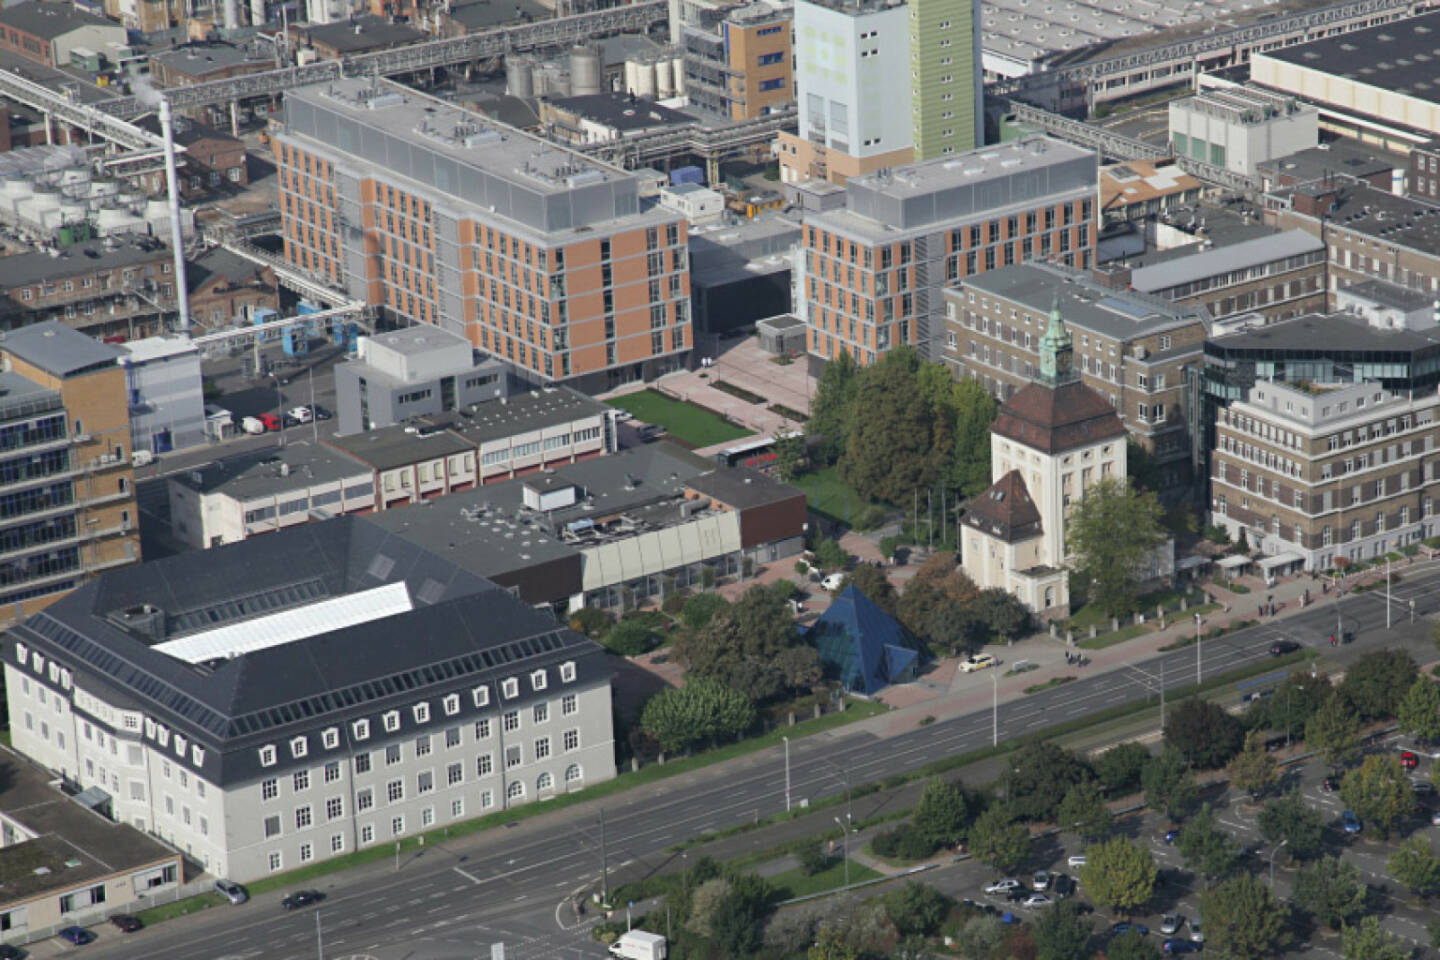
[537, 255]
[215, 162]
[203, 62]
[225, 287]
[738, 60]
[46, 32]
[1129, 348]
[103, 290]
[874, 270]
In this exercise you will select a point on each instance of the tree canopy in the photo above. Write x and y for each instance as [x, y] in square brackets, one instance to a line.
[1334, 730]
[1205, 733]
[1039, 776]
[1243, 920]
[1292, 821]
[1084, 811]
[1419, 711]
[1332, 890]
[1378, 681]
[899, 442]
[1366, 941]
[1414, 865]
[1119, 875]
[1253, 769]
[703, 709]
[943, 814]
[1119, 768]
[998, 839]
[871, 581]
[1379, 792]
[1062, 932]
[1109, 529]
[1207, 849]
[752, 646]
[1169, 784]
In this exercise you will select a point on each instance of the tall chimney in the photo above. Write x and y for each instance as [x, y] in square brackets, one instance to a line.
[177, 236]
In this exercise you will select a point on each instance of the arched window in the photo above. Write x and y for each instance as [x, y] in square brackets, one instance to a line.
[544, 782]
[516, 790]
[573, 774]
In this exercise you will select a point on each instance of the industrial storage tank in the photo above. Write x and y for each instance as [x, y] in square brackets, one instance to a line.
[584, 71]
[677, 66]
[644, 79]
[551, 80]
[113, 220]
[664, 81]
[520, 77]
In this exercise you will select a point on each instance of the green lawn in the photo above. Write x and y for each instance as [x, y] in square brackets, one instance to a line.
[827, 494]
[686, 422]
[793, 883]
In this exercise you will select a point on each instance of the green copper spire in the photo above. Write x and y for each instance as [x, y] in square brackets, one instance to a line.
[1056, 349]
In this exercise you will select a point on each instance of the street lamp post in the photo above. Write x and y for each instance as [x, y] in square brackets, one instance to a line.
[994, 710]
[1277, 849]
[787, 773]
[1197, 649]
[845, 848]
[1387, 592]
[844, 776]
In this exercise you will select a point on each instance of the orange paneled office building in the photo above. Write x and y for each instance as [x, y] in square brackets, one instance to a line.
[538, 255]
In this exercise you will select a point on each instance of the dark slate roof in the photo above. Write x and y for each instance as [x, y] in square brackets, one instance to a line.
[462, 632]
[1393, 56]
[218, 262]
[743, 488]
[1005, 510]
[1055, 418]
[186, 132]
[361, 33]
[480, 14]
[51, 20]
[58, 349]
[862, 644]
[621, 112]
[397, 446]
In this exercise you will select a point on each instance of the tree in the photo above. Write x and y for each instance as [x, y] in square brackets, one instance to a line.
[830, 555]
[1062, 933]
[1379, 792]
[705, 901]
[789, 456]
[735, 927]
[1039, 776]
[1243, 920]
[1415, 865]
[871, 581]
[1207, 849]
[1110, 528]
[981, 937]
[831, 944]
[832, 406]
[1169, 785]
[810, 855]
[917, 908]
[998, 839]
[1332, 890]
[790, 932]
[629, 638]
[943, 814]
[703, 709]
[897, 443]
[1204, 733]
[1334, 730]
[1419, 711]
[1119, 768]
[1290, 820]
[1253, 770]
[701, 608]
[1001, 613]
[1378, 681]
[1084, 811]
[742, 643]
[937, 604]
[1295, 701]
[1366, 941]
[1119, 875]
[1131, 946]
[974, 413]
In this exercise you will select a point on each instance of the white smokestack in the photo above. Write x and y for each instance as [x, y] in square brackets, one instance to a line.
[177, 236]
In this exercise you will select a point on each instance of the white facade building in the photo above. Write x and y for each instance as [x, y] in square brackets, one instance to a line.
[1239, 128]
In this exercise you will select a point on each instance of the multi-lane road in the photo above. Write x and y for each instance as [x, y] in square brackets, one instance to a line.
[513, 885]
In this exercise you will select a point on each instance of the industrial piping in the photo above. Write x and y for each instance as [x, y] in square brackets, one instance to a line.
[177, 235]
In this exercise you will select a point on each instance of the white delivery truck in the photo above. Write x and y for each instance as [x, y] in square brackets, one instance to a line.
[639, 945]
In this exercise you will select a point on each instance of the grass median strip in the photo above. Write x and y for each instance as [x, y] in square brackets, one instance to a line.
[794, 883]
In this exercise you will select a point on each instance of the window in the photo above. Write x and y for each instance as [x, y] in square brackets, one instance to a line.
[512, 757]
[397, 826]
[272, 826]
[422, 746]
[511, 721]
[334, 808]
[516, 790]
[362, 763]
[544, 782]
[361, 729]
[457, 807]
[538, 680]
[542, 748]
[510, 688]
[364, 800]
[451, 704]
[392, 754]
[299, 747]
[482, 729]
[302, 817]
[275, 861]
[425, 782]
[330, 738]
[573, 774]
[395, 791]
[481, 696]
[301, 780]
[567, 671]
[454, 773]
[568, 704]
[452, 738]
[270, 789]
[777, 84]
[487, 799]
[541, 712]
[267, 756]
[572, 740]
[391, 719]
[422, 712]
[337, 843]
[367, 833]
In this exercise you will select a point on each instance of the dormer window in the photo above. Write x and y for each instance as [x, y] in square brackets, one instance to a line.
[21, 652]
[331, 738]
[451, 704]
[197, 756]
[299, 747]
[481, 696]
[422, 712]
[538, 680]
[267, 756]
[180, 745]
[567, 671]
[391, 720]
[361, 729]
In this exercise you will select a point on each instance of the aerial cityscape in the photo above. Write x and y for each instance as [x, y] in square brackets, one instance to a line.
[719, 479]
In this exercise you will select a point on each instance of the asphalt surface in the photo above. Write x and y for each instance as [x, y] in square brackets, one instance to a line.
[506, 885]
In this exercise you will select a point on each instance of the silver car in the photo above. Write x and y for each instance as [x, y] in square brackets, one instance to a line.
[231, 891]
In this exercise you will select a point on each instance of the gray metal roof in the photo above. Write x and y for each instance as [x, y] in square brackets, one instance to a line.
[1328, 332]
[400, 445]
[520, 413]
[1390, 295]
[22, 269]
[1085, 304]
[58, 349]
[51, 20]
[271, 472]
[1395, 56]
[1163, 276]
[361, 33]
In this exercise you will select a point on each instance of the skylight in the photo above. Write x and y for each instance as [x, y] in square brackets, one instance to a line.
[297, 623]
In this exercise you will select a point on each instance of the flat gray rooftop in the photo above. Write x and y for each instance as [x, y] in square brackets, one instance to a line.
[1362, 209]
[58, 349]
[1390, 295]
[79, 261]
[419, 339]
[202, 59]
[1326, 333]
[520, 413]
[1398, 56]
[1218, 260]
[1083, 303]
[400, 445]
[272, 472]
[1337, 156]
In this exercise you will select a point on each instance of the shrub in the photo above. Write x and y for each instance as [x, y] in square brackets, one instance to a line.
[830, 555]
[801, 567]
[590, 621]
[784, 589]
[629, 638]
[903, 843]
[701, 609]
[810, 855]
[674, 603]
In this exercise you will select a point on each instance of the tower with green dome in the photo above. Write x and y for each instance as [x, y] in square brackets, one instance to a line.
[1057, 350]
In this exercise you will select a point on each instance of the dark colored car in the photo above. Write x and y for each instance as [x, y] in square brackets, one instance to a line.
[1172, 835]
[126, 923]
[1126, 927]
[288, 421]
[1408, 760]
[76, 935]
[1176, 945]
[1281, 647]
[1016, 895]
[1330, 784]
[302, 898]
[1009, 919]
[320, 412]
[1064, 886]
[8, 952]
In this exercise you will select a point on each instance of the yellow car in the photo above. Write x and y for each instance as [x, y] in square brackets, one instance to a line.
[979, 661]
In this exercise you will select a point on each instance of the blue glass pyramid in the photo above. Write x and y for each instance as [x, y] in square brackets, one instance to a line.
[861, 644]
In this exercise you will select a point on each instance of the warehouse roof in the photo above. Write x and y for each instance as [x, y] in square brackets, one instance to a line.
[1397, 56]
[51, 20]
[1219, 260]
[59, 350]
[272, 472]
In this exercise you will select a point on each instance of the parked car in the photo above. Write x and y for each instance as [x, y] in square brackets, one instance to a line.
[1350, 822]
[1175, 945]
[977, 661]
[1018, 895]
[1126, 926]
[79, 936]
[1423, 788]
[833, 581]
[1281, 647]
[1408, 760]
[1076, 860]
[270, 421]
[321, 413]
[1435, 819]
[302, 414]
[1197, 935]
[1008, 918]
[7, 952]
[1170, 923]
[302, 898]
[1064, 886]
[1254, 695]
[231, 891]
[252, 425]
[1172, 835]
[1035, 901]
[1002, 886]
[1041, 881]
[126, 923]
